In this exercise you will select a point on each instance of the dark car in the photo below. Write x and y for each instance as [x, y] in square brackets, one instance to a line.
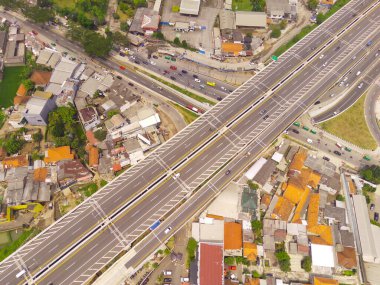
[137, 62]
[337, 152]
[295, 131]
[172, 78]
[376, 216]
[122, 54]
[155, 57]
[118, 77]
[265, 117]
[167, 280]
[219, 98]
[195, 76]
[228, 172]
[130, 84]
[326, 158]
[183, 71]
[258, 261]
[317, 102]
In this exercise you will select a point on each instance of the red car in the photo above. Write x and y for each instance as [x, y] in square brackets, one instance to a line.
[122, 67]
[34, 32]
[232, 267]
[172, 67]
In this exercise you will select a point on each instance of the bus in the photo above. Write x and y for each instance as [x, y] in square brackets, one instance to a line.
[297, 124]
[211, 83]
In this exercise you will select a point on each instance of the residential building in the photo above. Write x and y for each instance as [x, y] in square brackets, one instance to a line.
[280, 9]
[115, 123]
[232, 49]
[3, 42]
[233, 239]
[15, 48]
[208, 230]
[237, 37]
[324, 281]
[15, 161]
[247, 19]
[48, 57]
[38, 108]
[190, 7]
[54, 155]
[40, 78]
[89, 117]
[145, 21]
[72, 171]
[93, 156]
[210, 264]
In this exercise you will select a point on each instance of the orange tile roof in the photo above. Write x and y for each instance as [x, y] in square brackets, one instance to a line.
[21, 91]
[232, 48]
[325, 281]
[53, 155]
[313, 210]
[293, 192]
[298, 160]
[300, 209]
[40, 77]
[252, 281]
[250, 251]
[15, 161]
[91, 137]
[347, 258]
[116, 167]
[233, 235]
[93, 156]
[322, 234]
[18, 100]
[352, 186]
[215, 217]
[266, 199]
[40, 174]
[282, 209]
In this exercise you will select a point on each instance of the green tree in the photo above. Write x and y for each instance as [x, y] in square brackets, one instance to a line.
[283, 24]
[191, 248]
[229, 260]
[283, 259]
[258, 5]
[246, 270]
[95, 44]
[184, 44]
[124, 26]
[28, 84]
[100, 134]
[252, 185]
[37, 137]
[112, 113]
[120, 39]
[306, 263]
[368, 188]
[13, 144]
[176, 41]
[340, 197]
[276, 33]
[155, 265]
[320, 18]
[312, 4]
[116, 16]
[38, 15]
[256, 274]
[158, 35]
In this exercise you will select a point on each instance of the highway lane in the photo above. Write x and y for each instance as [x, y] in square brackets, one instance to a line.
[165, 194]
[369, 73]
[216, 122]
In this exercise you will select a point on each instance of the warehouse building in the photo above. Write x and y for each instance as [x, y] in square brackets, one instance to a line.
[246, 19]
[190, 7]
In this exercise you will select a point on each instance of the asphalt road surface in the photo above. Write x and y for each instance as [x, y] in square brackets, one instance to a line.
[82, 242]
[369, 69]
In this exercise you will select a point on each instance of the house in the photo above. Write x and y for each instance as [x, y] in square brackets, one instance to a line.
[190, 7]
[115, 123]
[134, 150]
[38, 108]
[148, 117]
[15, 48]
[233, 239]
[89, 117]
[40, 78]
[15, 161]
[145, 21]
[280, 9]
[72, 171]
[232, 49]
[335, 215]
[21, 91]
[54, 155]
[93, 156]
[247, 19]
[250, 251]
[210, 264]
[48, 57]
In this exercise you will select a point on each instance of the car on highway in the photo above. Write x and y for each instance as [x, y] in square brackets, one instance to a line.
[326, 158]
[167, 230]
[172, 78]
[172, 67]
[358, 73]
[177, 175]
[223, 88]
[137, 62]
[122, 67]
[337, 152]
[210, 83]
[197, 80]
[317, 102]
[202, 86]
[131, 84]
[265, 117]
[228, 172]
[219, 98]
[325, 64]
[322, 56]
[183, 71]
[168, 280]
[360, 85]
[118, 77]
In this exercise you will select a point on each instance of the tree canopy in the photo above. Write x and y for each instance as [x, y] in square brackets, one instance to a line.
[312, 4]
[371, 174]
[258, 5]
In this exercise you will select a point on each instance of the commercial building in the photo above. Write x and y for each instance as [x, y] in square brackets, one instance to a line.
[246, 19]
[280, 9]
[210, 264]
[37, 110]
[145, 21]
[190, 7]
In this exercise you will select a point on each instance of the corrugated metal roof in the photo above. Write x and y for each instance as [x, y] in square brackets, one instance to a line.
[250, 19]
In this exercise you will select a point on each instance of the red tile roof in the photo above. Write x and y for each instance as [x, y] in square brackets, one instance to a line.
[211, 264]
[21, 91]
[41, 77]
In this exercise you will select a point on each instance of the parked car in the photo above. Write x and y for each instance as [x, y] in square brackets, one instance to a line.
[295, 131]
[183, 71]
[172, 78]
[197, 80]
[265, 117]
[130, 84]
[372, 207]
[337, 152]
[118, 77]
[326, 158]
[122, 54]
[155, 57]
[167, 280]
[167, 272]
[376, 216]
[172, 67]
[195, 76]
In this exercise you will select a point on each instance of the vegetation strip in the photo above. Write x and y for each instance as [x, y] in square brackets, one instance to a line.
[24, 237]
[187, 114]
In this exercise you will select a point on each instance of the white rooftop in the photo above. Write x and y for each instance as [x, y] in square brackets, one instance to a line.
[322, 255]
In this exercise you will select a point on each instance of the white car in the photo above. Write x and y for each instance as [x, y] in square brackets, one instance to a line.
[152, 62]
[168, 229]
[223, 88]
[177, 175]
[309, 141]
[358, 73]
[197, 80]
[325, 64]
[360, 85]
[322, 56]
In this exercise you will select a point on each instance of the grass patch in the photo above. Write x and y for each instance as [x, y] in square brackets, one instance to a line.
[65, 4]
[186, 114]
[103, 183]
[12, 247]
[88, 189]
[351, 126]
[179, 89]
[9, 85]
[242, 5]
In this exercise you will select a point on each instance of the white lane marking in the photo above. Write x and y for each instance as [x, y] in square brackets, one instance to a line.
[95, 245]
[54, 247]
[75, 231]
[71, 265]
[135, 213]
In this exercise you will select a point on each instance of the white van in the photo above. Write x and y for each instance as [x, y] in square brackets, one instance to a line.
[309, 140]
[167, 272]
[21, 273]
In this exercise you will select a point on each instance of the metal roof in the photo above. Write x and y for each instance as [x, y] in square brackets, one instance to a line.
[251, 19]
[190, 7]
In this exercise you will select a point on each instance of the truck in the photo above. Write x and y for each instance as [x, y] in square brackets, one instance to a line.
[155, 225]
[192, 108]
